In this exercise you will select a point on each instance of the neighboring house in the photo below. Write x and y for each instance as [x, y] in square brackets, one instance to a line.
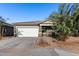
[32, 29]
[7, 30]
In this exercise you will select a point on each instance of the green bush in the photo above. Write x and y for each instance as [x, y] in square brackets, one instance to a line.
[67, 21]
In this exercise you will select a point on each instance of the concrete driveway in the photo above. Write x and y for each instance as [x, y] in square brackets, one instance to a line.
[23, 47]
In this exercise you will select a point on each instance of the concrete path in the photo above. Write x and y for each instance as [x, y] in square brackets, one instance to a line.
[62, 52]
[24, 47]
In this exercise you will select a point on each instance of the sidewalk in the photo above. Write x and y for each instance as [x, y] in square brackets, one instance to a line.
[62, 52]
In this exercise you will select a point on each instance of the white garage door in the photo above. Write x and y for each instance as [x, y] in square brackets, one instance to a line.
[27, 31]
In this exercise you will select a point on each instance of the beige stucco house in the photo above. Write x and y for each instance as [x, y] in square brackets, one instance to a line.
[32, 29]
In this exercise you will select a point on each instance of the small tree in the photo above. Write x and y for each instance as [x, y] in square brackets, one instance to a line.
[67, 21]
[63, 20]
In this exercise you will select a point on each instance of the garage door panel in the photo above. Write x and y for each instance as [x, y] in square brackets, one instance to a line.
[28, 31]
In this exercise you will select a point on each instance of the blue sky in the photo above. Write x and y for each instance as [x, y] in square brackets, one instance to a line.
[20, 12]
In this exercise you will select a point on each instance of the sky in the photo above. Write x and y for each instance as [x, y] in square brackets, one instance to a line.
[23, 12]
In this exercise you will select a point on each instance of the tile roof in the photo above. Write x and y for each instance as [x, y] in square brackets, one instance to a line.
[27, 23]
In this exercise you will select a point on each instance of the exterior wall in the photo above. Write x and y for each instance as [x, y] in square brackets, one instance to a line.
[15, 31]
[46, 24]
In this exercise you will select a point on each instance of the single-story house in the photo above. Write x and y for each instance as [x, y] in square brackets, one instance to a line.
[7, 30]
[32, 29]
